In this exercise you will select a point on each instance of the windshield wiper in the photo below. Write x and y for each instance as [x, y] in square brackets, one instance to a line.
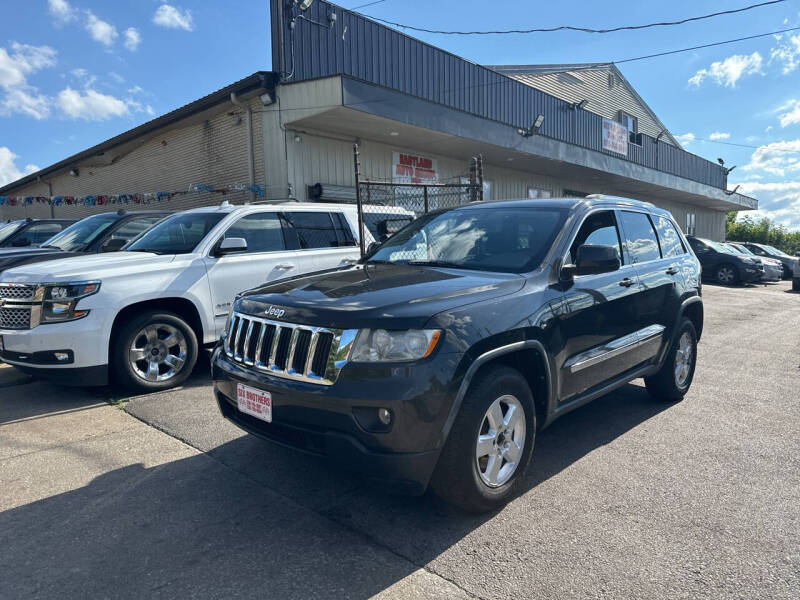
[144, 250]
[435, 263]
[50, 246]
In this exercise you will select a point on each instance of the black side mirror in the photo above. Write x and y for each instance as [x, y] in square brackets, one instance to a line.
[21, 242]
[593, 259]
[113, 245]
[372, 247]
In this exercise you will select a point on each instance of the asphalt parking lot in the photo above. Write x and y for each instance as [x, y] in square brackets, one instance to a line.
[157, 496]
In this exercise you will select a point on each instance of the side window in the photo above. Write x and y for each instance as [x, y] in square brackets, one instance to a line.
[38, 234]
[599, 228]
[671, 244]
[133, 227]
[261, 231]
[315, 230]
[343, 232]
[640, 237]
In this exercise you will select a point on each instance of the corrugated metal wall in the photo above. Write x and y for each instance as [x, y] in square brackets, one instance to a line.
[213, 152]
[364, 49]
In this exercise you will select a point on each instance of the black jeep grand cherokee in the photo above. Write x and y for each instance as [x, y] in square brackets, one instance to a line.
[438, 357]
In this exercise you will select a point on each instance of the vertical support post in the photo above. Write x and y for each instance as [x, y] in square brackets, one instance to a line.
[359, 206]
[50, 199]
[480, 177]
[425, 195]
[473, 179]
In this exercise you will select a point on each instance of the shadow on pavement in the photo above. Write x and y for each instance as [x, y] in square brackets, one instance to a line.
[244, 521]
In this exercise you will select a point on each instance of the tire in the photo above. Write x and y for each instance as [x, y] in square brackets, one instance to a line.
[669, 384]
[464, 479]
[134, 334]
[726, 274]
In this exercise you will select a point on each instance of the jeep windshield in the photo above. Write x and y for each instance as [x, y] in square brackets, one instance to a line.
[79, 235]
[178, 234]
[508, 240]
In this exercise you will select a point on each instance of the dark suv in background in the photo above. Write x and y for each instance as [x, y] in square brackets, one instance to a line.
[104, 232]
[24, 233]
[439, 357]
[724, 265]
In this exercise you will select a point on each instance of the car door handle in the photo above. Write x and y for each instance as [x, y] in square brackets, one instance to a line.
[672, 271]
[627, 282]
[284, 266]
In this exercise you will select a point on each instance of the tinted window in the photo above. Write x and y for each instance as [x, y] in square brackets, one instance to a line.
[178, 234]
[486, 239]
[597, 229]
[8, 229]
[640, 237]
[78, 235]
[671, 244]
[39, 233]
[134, 226]
[261, 231]
[316, 230]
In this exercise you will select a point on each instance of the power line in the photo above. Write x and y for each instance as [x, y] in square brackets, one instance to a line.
[367, 4]
[571, 27]
[741, 39]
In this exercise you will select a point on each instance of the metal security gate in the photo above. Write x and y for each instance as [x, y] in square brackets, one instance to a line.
[385, 207]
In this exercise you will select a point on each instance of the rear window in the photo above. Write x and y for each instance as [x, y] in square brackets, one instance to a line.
[640, 237]
[309, 230]
[671, 244]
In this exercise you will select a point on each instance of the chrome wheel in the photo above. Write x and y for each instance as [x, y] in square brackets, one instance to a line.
[683, 360]
[726, 275]
[501, 440]
[158, 352]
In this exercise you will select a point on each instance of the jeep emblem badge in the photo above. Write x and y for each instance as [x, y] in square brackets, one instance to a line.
[274, 311]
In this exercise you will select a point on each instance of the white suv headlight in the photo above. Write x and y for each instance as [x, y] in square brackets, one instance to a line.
[381, 345]
[59, 300]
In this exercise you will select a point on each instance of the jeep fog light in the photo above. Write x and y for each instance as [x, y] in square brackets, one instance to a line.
[385, 416]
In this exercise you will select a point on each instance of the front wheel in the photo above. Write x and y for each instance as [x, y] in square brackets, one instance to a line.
[491, 443]
[675, 377]
[154, 351]
[726, 275]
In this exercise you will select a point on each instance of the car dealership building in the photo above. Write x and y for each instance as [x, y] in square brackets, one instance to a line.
[417, 112]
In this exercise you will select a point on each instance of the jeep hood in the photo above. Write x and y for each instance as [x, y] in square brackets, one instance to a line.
[81, 268]
[377, 295]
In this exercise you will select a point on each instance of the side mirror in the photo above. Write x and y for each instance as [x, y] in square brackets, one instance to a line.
[372, 247]
[595, 259]
[21, 242]
[231, 246]
[113, 245]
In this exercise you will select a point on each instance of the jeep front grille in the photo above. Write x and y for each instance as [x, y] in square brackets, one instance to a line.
[300, 352]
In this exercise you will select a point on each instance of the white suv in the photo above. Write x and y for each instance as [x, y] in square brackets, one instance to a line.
[143, 313]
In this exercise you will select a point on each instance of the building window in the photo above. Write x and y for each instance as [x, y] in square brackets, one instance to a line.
[534, 193]
[691, 223]
[631, 123]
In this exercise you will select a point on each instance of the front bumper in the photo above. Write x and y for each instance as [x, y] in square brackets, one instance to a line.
[772, 273]
[332, 421]
[750, 275]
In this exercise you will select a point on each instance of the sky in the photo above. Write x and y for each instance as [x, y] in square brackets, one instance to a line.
[76, 72]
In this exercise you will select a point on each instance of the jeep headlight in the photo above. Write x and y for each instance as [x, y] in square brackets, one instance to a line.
[59, 301]
[382, 345]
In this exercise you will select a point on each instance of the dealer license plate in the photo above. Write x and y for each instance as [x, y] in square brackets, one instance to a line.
[255, 402]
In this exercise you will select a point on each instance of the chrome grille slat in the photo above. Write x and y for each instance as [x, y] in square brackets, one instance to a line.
[255, 342]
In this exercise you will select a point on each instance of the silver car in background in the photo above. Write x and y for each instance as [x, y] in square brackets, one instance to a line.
[763, 250]
[773, 268]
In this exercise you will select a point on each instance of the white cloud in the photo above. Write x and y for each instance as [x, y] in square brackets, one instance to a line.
[173, 17]
[83, 77]
[727, 72]
[101, 31]
[685, 138]
[61, 11]
[777, 158]
[719, 135]
[8, 169]
[116, 76]
[791, 114]
[779, 200]
[768, 129]
[132, 38]
[17, 96]
[90, 105]
[787, 53]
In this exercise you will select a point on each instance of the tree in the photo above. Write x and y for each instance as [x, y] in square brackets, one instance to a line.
[761, 231]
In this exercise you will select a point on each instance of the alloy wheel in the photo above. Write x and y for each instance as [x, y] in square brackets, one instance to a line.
[501, 441]
[725, 275]
[158, 352]
[683, 360]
